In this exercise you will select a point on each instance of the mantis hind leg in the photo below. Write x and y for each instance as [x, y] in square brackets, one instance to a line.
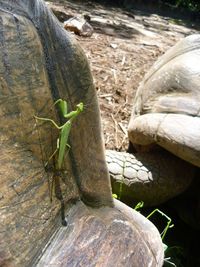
[68, 147]
[56, 150]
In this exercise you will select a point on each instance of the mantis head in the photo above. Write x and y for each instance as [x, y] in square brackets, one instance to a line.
[80, 107]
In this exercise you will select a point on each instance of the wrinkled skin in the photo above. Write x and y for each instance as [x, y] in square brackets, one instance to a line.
[166, 109]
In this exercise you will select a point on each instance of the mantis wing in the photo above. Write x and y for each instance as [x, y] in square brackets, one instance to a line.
[64, 134]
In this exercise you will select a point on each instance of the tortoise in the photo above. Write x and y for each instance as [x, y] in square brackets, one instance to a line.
[40, 63]
[164, 129]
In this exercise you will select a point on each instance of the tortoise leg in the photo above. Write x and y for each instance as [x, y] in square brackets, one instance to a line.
[150, 177]
[104, 237]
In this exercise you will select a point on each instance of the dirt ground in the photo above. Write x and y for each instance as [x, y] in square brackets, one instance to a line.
[123, 47]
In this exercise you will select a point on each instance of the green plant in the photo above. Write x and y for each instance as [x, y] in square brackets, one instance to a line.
[169, 221]
[139, 205]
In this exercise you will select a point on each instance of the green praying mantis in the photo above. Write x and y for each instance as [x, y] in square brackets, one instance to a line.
[62, 145]
[62, 141]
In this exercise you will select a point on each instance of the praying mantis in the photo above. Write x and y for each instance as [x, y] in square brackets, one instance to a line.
[62, 145]
[62, 141]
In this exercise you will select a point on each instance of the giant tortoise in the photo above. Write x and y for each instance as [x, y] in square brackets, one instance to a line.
[164, 129]
[39, 64]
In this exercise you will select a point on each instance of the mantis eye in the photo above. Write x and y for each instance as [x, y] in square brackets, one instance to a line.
[80, 106]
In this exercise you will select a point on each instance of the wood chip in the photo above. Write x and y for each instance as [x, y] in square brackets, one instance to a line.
[124, 130]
